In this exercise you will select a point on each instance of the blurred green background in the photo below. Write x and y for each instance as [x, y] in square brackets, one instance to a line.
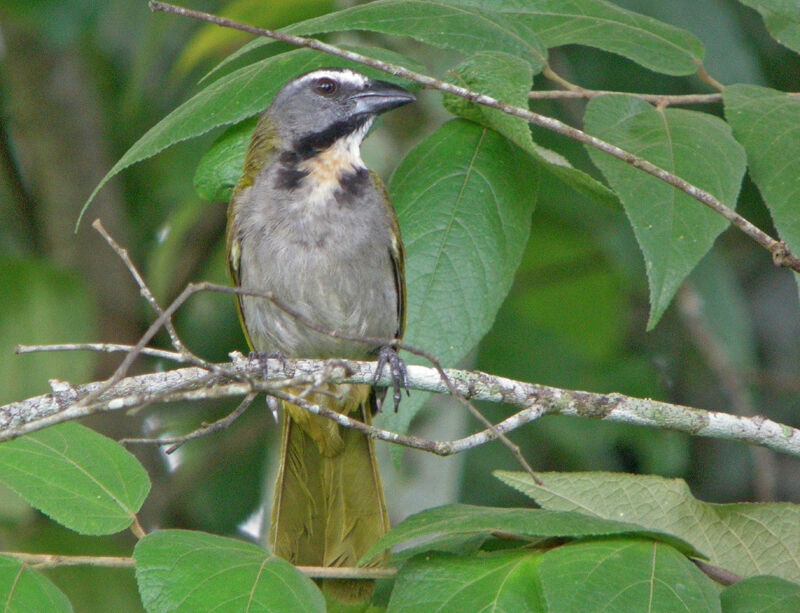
[80, 81]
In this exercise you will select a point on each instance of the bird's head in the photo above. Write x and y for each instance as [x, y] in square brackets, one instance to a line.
[315, 110]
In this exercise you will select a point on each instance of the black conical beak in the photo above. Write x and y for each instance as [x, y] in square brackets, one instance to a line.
[379, 97]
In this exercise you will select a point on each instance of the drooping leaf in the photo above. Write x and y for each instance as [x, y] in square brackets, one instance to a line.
[235, 97]
[674, 231]
[508, 78]
[761, 594]
[767, 123]
[465, 519]
[446, 25]
[185, 572]
[81, 479]
[23, 590]
[624, 575]
[504, 582]
[782, 18]
[598, 23]
[464, 198]
[745, 538]
[451, 26]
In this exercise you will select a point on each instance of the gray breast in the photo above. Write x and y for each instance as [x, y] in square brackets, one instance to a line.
[325, 253]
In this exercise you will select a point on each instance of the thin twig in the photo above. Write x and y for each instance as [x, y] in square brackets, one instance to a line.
[346, 572]
[367, 340]
[657, 99]
[54, 560]
[203, 430]
[102, 348]
[144, 290]
[781, 254]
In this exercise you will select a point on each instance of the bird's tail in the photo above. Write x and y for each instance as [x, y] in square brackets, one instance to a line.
[328, 508]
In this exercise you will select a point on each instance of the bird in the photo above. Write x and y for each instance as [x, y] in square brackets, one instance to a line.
[311, 225]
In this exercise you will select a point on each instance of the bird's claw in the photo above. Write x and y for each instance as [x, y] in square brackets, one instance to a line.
[398, 371]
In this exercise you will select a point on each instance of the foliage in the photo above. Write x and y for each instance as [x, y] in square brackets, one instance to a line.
[465, 193]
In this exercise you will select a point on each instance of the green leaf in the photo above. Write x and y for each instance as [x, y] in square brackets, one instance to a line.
[81, 479]
[464, 198]
[745, 538]
[461, 28]
[624, 575]
[23, 590]
[193, 572]
[674, 231]
[221, 166]
[501, 582]
[465, 519]
[597, 23]
[235, 97]
[767, 123]
[42, 304]
[761, 595]
[782, 18]
[508, 78]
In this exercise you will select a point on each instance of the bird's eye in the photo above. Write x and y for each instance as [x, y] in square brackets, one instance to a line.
[325, 86]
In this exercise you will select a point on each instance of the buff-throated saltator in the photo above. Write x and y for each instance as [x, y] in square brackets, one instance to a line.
[309, 223]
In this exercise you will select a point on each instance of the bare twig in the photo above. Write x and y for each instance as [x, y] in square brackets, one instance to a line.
[346, 572]
[146, 293]
[54, 560]
[102, 348]
[657, 99]
[781, 254]
[203, 430]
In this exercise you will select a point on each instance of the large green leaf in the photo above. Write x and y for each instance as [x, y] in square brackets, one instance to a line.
[23, 590]
[674, 231]
[597, 23]
[761, 595]
[192, 572]
[782, 18]
[435, 22]
[767, 123]
[504, 582]
[624, 575]
[508, 78]
[451, 26]
[235, 97]
[41, 304]
[745, 538]
[83, 480]
[465, 519]
[464, 198]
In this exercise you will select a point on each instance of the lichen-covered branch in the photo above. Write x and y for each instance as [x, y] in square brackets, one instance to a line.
[530, 401]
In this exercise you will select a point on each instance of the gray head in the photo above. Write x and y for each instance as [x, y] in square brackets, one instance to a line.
[316, 109]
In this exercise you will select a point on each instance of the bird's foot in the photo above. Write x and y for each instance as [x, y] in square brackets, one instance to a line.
[398, 370]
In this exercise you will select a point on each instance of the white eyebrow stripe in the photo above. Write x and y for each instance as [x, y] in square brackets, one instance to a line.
[343, 76]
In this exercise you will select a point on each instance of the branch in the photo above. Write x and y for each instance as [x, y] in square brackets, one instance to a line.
[781, 254]
[243, 376]
[54, 560]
